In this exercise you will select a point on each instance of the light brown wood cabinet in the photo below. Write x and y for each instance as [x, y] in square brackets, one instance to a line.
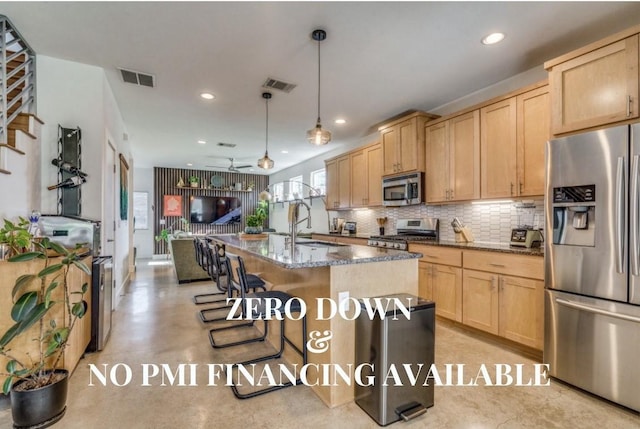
[595, 85]
[513, 136]
[441, 282]
[498, 149]
[496, 301]
[79, 337]
[403, 144]
[366, 177]
[453, 159]
[533, 117]
[338, 171]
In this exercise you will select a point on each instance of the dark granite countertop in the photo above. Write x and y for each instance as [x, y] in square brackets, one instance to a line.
[492, 247]
[310, 253]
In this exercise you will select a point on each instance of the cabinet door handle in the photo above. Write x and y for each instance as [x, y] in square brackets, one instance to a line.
[520, 187]
[493, 283]
[431, 256]
[446, 194]
[629, 105]
[497, 265]
[511, 188]
[501, 283]
[451, 194]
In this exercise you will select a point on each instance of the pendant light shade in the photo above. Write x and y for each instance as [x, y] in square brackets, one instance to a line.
[265, 162]
[318, 135]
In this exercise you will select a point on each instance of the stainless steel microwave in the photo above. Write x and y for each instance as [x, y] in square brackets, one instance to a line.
[402, 190]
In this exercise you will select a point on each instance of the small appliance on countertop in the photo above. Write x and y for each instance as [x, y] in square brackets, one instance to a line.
[349, 228]
[526, 237]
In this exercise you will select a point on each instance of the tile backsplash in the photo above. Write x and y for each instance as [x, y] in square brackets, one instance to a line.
[489, 223]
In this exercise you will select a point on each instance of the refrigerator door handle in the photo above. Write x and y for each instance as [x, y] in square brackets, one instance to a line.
[596, 310]
[620, 216]
[635, 269]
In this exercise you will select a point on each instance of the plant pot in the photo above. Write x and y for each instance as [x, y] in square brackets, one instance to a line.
[39, 408]
[194, 184]
[253, 230]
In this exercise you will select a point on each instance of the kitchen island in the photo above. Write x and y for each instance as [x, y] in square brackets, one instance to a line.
[313, 270]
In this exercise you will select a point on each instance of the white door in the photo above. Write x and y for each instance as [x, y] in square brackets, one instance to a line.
[110, 206]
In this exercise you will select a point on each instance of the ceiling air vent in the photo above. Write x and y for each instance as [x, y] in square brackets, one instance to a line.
[278, 84]
[138, 78]
[226, 144]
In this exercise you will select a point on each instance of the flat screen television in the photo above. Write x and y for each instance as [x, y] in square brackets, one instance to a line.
[215, 210]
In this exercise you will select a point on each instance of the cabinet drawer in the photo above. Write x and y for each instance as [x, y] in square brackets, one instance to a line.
[438, 255]
[503, 263]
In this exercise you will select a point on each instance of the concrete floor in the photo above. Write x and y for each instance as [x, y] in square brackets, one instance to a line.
[156, 323]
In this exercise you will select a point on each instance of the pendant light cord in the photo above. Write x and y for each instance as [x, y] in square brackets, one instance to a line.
[319, 81]
[266, 146]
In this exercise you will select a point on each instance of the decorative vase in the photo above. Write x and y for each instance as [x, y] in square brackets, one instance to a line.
[194, 184]
[253, 230]
[180, 183]
[42, 407]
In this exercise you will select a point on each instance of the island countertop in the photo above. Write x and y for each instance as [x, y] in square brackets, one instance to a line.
[311, 253]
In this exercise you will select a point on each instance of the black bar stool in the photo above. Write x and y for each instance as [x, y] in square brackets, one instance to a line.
[205, 260]
[219, 270]
[258, 311]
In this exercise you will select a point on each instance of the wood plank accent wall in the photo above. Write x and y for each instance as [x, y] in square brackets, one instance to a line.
[165, 183]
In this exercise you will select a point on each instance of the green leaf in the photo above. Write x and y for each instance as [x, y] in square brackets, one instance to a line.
[11, 366]
[22, 281]
[27, 256]
[79, 309]
[85, 287]
[6, 387]
[10, 335]
[47, 294]
[53, 323]
[58, 248]
[50, 270]
[25, 305]
[82, 266]
[35, 315]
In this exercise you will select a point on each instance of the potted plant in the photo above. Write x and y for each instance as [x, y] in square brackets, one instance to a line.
[166, 232]
[194, 181]
[38, 387]
[14, 237]
[255, 221]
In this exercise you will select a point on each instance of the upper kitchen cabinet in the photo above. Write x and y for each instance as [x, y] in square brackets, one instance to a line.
[533, 116]
[498, 149]
[338, 173]
[403, 143]
[513, 135]
[366, 176]
[595, 85]
[453, 159]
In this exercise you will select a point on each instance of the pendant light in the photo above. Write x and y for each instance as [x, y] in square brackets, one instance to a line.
[265, 162]
[318, 135]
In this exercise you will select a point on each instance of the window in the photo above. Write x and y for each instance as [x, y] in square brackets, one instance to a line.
[140, 210]
[295, 188]
[319, 181]
[277, 193]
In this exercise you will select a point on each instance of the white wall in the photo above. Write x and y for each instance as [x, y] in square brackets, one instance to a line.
[143, 238]
[78, 95]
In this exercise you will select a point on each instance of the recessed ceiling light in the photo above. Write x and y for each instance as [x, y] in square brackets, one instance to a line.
[284, 151]
[207, 96]
[202, 142]
[493, 38]
[189, 164]
[341, 121]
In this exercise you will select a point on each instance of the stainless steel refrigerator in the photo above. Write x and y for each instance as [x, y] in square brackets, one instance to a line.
[592, 262]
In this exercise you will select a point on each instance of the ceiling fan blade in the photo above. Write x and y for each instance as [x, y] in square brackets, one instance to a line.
[243, 166]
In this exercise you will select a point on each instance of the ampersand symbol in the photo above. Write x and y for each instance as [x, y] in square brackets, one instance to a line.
[319, 341]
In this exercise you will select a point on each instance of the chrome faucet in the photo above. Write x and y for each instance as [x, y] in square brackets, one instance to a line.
[294, 221]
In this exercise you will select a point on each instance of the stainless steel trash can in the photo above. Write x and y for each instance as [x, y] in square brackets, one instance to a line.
[396, 340]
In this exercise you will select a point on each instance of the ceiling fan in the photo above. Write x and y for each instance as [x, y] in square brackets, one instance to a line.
[231, 167]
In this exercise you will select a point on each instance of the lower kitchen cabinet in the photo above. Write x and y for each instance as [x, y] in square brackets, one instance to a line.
[480, 300]
[441, 282]
[497, 300]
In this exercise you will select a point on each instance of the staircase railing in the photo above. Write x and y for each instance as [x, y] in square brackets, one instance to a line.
[17, 84]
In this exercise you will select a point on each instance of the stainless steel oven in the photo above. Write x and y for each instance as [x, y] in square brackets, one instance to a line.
[403, 190]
